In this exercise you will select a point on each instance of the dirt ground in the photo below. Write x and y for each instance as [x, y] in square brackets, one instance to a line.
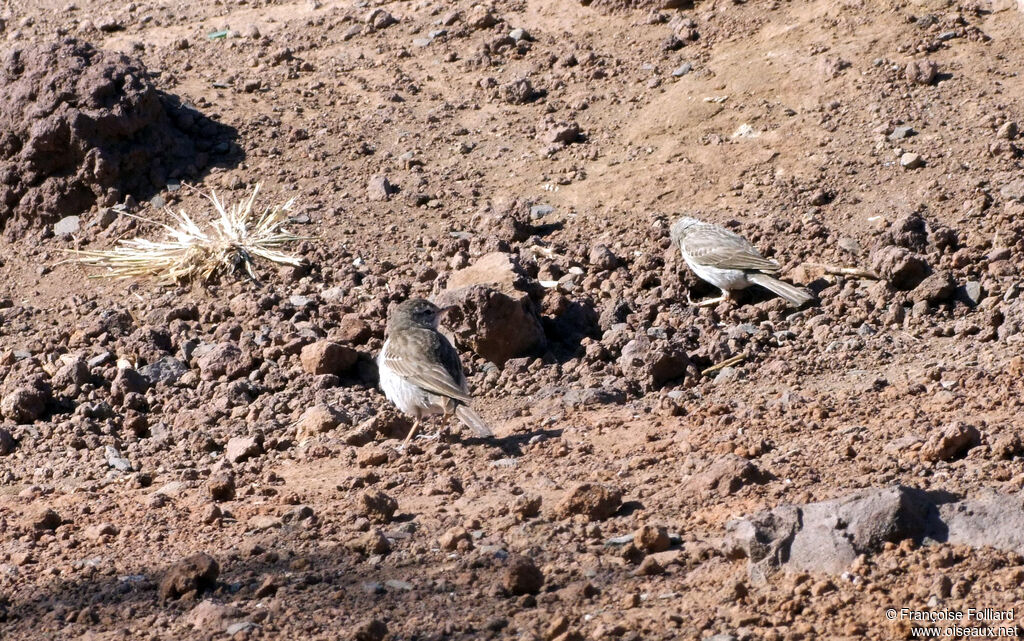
[881, 136]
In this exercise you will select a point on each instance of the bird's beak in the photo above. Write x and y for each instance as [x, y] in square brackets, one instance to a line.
[445, 310]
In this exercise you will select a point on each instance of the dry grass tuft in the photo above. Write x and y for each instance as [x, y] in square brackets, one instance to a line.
[229, 243]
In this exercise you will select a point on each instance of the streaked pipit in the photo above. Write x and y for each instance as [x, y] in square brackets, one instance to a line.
[728, 261]
[420, 371]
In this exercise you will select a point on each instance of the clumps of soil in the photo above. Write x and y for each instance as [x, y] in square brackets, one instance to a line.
[631, 5]
[80, 126]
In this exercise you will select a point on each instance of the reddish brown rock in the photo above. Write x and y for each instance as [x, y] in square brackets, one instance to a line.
[45, 519]
[240, 448]
[23, 405]
[224, 359]
[319, 419]
[372, 630]
[901, 267]
[595, 502]
[522, 576]
[725, 476]
[378, 506]
[194, 574]
[652, 538]
[221, 487]
[953, 442]
[328, 357]
[921, 72]
[491, 323]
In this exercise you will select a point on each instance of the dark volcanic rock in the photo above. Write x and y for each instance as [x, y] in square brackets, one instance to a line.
[79, 125]
[115, 322]
[910, 231]
[372, 630]
[936, 288]
[901, 267]
[147, 344]
[568, 321]
[196, 573]
[652, 363]
[128, 381]
[522, 576]
[7, 442]
[166, 370]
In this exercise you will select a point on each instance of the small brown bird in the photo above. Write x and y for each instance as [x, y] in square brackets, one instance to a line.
[420, 371]
[728, 261]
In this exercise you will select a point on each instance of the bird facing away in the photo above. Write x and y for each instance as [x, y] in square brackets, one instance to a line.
[420, 371]
[728, 261]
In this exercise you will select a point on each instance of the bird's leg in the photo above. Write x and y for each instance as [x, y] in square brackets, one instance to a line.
[708, 302]
[430, 437]
[436, 435]
[412, 432]
[443, 430]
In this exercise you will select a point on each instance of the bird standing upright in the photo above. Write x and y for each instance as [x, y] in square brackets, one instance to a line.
[420, 371]
[728, 261]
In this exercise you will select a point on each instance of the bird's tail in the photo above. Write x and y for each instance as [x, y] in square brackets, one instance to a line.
[795, 295]
[472, 420]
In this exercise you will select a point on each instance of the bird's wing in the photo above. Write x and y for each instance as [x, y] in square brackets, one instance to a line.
[714, 246]
[426, 359]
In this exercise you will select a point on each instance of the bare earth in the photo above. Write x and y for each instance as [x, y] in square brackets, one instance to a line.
[571, 147]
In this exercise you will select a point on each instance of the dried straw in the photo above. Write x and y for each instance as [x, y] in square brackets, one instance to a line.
[231, 242]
